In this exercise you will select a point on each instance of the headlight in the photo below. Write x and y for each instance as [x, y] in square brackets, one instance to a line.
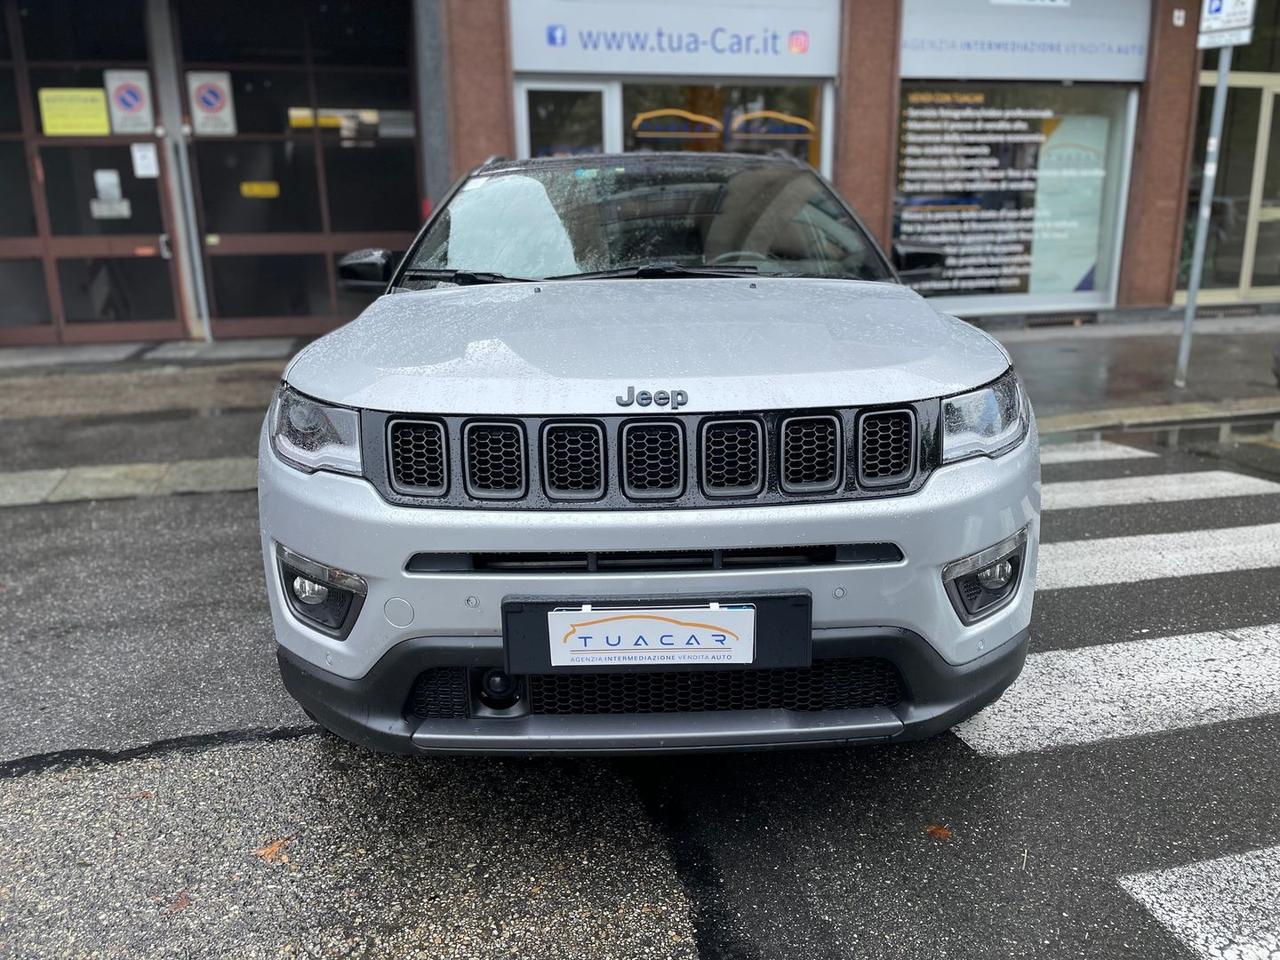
[314, 436]
[986, 422]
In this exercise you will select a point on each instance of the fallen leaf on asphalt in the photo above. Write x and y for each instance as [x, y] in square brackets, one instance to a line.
[938, 832]
[181, 902]
[142, 795]
[273, 851]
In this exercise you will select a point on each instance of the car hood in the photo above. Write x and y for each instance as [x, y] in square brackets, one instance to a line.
[573, 346]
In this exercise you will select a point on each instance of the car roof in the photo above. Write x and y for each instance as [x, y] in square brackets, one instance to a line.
[639, 160]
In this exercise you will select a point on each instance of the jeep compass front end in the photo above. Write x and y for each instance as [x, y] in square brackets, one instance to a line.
[647, 453]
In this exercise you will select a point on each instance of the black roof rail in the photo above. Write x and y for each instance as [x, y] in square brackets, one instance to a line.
[494, 158]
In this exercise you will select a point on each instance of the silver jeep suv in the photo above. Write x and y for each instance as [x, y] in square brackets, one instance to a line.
[646, 453]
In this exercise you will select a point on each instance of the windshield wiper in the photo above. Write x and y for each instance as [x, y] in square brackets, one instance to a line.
[661, 270]
[463, 278]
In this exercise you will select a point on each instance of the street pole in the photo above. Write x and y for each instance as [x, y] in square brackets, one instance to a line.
[1206, 208]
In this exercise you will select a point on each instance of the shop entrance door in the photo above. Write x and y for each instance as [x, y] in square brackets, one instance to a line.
[109, 239]
[84, 223]
[1242, 261]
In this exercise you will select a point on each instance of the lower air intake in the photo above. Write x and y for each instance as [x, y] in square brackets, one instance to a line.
[848, 683]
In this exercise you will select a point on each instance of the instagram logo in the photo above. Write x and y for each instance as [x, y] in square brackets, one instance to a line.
[798, 41]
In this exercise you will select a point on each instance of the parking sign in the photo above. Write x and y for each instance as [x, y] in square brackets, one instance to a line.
[213, 112]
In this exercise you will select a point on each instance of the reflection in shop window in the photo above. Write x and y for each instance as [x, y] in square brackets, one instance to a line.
[739, 119]
[274, 285]
[25, 302]
[565, 122]
[105, 289]
[1010, 188]
[17, 216]
[225, 167]
[72, 30]
[1229, 212]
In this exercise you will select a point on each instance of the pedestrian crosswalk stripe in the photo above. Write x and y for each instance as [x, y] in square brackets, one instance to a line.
[1090, 450]
[1090, 563]
[1223, 908]
[1162, 488]
[1089, 694]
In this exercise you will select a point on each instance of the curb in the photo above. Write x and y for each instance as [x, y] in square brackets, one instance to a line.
[1159, 414]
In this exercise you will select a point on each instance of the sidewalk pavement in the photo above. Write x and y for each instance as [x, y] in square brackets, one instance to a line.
[1079, 377]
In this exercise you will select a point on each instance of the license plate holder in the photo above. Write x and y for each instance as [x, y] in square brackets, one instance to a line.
[782, 630]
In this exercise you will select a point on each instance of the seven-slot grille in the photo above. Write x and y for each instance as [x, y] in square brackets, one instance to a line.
[886, 447]
[810, 454]
[770, 457]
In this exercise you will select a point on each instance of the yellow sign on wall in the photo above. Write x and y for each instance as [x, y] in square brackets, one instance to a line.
[74, 112]
[259, 189]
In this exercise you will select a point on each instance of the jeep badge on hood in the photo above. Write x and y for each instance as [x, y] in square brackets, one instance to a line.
[674, 398]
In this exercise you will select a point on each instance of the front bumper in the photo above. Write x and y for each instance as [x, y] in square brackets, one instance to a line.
[370, 711]
[357, 685]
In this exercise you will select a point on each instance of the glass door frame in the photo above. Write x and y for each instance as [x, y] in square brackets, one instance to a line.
[49, 248]
[1268, 86]
[610, 108]
[611, 105]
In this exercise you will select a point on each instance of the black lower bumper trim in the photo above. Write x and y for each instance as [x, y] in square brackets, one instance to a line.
[370, 711]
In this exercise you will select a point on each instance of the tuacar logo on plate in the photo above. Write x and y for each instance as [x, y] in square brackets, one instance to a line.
[632, 631]
[714, 634]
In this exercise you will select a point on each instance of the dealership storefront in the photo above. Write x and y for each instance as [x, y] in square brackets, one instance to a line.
[751, 77]
[1015, 139]
[182, 168]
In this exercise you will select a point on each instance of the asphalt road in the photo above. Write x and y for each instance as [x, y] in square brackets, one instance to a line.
[160, 796]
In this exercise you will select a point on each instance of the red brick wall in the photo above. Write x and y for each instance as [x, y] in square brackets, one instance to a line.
[867, 110]
[481, 118]
[1161, 159]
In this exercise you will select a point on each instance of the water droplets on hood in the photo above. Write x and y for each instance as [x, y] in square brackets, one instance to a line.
[572, 346]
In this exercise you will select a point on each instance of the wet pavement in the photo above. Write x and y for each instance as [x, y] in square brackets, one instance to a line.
[161, 796]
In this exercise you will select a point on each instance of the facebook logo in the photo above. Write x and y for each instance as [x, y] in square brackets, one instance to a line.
[557, 35]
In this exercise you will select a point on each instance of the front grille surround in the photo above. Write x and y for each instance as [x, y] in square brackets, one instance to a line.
[816, 466]
[777, 489]
[653, 459]
[733, 457]
[886, 447]
[570, 477]
[419, 460]
[496, 459]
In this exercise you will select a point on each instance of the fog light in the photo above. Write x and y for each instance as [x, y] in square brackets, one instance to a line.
[309, 592]
[996, 576]
[983, 582]
[325, 598]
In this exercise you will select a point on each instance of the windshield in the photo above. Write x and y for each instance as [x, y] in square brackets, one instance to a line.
[563, 219]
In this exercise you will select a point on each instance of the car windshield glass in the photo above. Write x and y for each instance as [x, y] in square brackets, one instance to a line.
[564, 219]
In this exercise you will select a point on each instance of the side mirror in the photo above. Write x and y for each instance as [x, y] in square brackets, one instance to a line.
[918, 261]
[365, 271]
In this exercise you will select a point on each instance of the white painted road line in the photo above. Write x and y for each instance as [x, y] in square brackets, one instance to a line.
[1166, 488]
[123, 480]
[1091, 563]
[1223, 909]
[1052, 453]
[1089, 694]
